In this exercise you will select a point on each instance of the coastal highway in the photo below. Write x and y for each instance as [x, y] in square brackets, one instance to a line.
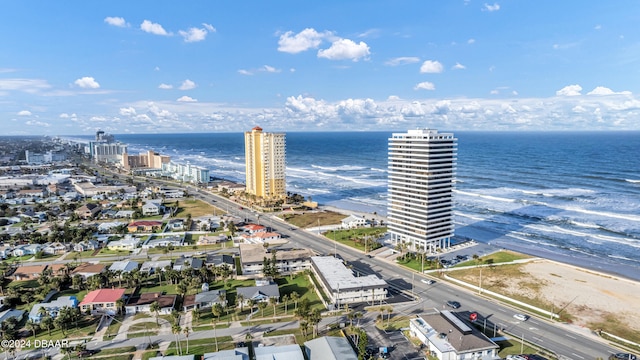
[562, 339]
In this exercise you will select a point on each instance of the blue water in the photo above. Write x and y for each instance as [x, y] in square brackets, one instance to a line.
[576, 194]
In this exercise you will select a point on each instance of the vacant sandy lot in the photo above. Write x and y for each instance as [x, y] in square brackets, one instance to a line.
[589, 296]
[591, 299]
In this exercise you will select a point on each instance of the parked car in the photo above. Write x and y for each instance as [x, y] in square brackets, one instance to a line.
[622, 356]
[521, 317]
[428, 281]
[453, 304]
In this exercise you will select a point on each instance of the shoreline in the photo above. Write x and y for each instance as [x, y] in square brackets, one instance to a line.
[602, 267]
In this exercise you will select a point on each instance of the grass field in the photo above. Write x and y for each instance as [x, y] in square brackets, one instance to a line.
[311, 219]
[194, 207]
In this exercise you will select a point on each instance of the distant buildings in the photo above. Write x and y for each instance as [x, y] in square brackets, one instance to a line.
[105, 149]
[422, 166]
[148, 160]
[266, 161]
[186, 172]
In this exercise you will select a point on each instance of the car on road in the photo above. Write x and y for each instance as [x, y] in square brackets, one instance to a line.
[521, 317]
[85, 353]
[453, 304]
[622, 356]
[428, 281]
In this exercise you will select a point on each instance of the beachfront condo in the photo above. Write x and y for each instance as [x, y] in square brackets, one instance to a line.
[265, 160]
[422, 168]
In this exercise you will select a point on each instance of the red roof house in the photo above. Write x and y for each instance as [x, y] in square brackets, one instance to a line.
[102, 301]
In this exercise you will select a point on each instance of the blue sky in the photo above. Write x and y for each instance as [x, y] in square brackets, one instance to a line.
[73, 67]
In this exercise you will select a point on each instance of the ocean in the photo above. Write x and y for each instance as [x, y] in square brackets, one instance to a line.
[573, 195]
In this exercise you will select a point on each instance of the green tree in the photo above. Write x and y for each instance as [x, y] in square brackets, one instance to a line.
[155, 308]
[262, 305]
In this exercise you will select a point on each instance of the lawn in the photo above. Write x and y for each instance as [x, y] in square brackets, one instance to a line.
[311, 219]
[193, 207]
[201, 346]
[86, 327]
[495, 258]
[355, 238]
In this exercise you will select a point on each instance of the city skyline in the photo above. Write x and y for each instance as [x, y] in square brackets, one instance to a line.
[226, 67]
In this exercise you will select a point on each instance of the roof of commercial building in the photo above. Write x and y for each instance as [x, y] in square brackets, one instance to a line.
[338, 277]
[255, 253]
[282, 352]
[445, 330]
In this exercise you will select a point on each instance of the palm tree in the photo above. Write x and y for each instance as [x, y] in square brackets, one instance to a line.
[195, 314]
[240, 300]
[186, 334]
[176, 329]
[295, 297]
[119, 305]
[273, 301]
[155, 307]
[251, 304]
[262, 305]
[33, 327]
[285, 300]
[47, 322]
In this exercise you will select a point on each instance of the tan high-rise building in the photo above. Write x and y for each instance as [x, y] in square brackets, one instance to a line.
[266, 163]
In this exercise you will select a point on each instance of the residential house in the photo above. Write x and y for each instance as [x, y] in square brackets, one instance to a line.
[259, 293]
[86, 245]
[353, 221]
[23, 250]
[447, 336]
[142, 303]
[87, 211]
[31, 193]
[52, 307]
[28, 272]
[185, 262]
[174, 241]
[278, 352]
[123, 266]
[152, 208]
[12, 313]
[253, 228]
[151, 267]
[55, 248]
[109, 226]
[175, 225]
[128, 243]
[174, 357]
[102, 301]
[87, 270]
[329, 348]
[6, 250]
[218, 260]
[240, 353]
[205, 299]
[211, 239]
[287, 261]
[126, 214]
[144, 226]
[263, 237]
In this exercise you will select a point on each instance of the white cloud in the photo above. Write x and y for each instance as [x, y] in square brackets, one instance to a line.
[186, 99]
[598, 27]
[570, 90]
[116, 21]
[24, 113]
[431, 67]
[37, 123]
[494, 92]
[87, 82]
[129, 111]
[491, 8]
[471, 41]
[424, 86]
[403, 60]
[197, 34]
[345, 49]
[601, 90]
[164, 86]
[459, 66]
[25, 85]
[306, 39]
[187, 85]
[270, 69]
[153, 28]
[67, 116]
[245, 72]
